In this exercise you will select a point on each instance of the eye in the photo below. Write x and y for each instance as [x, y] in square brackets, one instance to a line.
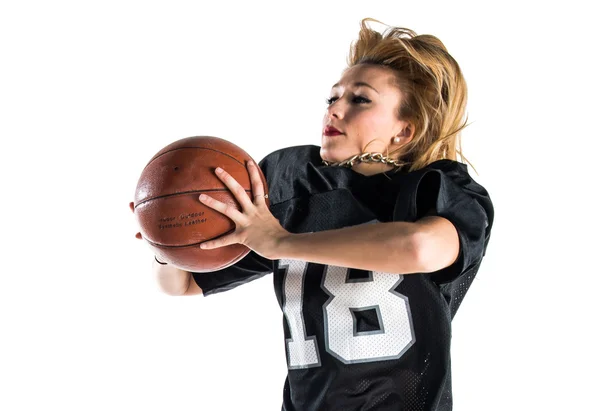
[355, 100]
[360, 100]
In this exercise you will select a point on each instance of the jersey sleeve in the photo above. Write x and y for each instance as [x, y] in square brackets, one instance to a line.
[447, 190]
[249, 268]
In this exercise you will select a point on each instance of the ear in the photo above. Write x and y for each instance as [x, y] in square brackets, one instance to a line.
[404, 135]
[407, 132]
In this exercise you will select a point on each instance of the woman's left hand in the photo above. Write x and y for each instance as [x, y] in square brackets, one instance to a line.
[256, 227]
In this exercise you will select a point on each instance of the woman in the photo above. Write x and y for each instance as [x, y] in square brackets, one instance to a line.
[373, 238]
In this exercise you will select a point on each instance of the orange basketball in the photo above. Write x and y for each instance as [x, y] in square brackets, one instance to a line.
[171, 217]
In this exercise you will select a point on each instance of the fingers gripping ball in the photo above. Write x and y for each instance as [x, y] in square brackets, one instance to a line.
[172, 219]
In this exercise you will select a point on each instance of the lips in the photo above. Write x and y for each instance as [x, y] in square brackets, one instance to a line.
[331, 131]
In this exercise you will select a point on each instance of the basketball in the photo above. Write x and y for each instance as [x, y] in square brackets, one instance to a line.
[171, 217]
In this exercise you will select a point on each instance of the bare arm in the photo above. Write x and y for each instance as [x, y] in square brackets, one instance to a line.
[427, 245]
[174, 281]
[171, 279]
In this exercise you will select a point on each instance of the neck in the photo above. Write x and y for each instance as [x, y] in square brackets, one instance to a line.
[369, 169]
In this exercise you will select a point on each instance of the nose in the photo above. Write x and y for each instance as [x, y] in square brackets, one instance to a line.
[335, 110]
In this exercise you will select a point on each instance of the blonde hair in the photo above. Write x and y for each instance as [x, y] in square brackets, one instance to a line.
[433, 89]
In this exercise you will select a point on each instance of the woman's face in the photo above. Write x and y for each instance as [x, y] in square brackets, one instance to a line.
[363, 107]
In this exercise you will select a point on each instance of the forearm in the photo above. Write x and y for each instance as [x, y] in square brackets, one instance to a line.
[172, 280]
[384, 247]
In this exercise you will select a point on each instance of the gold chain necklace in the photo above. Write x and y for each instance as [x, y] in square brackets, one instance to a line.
[365, 158]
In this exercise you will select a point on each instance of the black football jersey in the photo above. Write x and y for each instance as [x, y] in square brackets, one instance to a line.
[356, 339]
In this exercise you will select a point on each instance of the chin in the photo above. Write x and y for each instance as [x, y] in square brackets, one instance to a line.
[327, 155]
[334, 156]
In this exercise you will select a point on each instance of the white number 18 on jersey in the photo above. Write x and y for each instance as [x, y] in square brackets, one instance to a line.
[347, 298]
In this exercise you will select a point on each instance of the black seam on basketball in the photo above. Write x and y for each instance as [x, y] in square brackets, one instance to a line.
[218, 190]
[188, 245]
[199, 148]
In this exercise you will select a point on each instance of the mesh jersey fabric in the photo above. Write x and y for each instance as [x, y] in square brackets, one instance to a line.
[354, 339]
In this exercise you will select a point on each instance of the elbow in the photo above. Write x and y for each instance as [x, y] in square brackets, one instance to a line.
[433, 253]
[410, 254]
[420, 253]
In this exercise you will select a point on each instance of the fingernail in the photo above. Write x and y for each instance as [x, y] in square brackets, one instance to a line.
[219, 170]
[203, 196]
[250, 162]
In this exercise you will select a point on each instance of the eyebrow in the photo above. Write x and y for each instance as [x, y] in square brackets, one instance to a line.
[358, 84]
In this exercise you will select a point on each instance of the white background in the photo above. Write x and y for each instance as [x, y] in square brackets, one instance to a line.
[89, 91]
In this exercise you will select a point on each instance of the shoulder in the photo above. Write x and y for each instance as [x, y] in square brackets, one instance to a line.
[453, 170]
[445, 188]
[448, 175]
[291, 157]
[442, 183]
[456, 175]
[288, 171]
